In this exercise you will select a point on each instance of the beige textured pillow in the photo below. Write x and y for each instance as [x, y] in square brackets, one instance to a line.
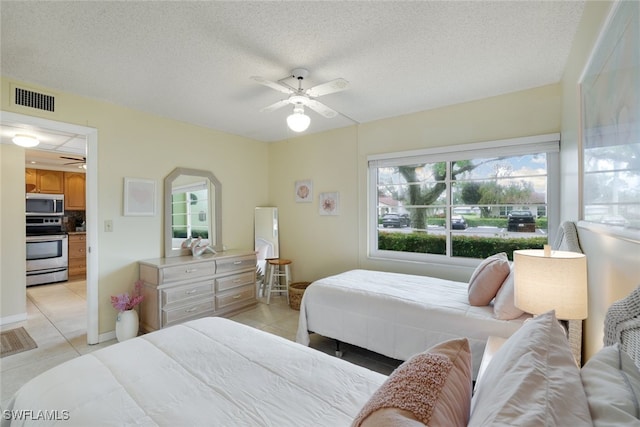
[612, 383]
[504, 306]
[432, 388]
[532, 380]
[487, 279]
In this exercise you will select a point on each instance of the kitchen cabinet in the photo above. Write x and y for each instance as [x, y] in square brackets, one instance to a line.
[77, 254]
[74, 191]
[44, 181]
[178, 289]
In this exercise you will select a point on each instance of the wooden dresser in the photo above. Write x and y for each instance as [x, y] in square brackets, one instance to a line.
[77, 254]
[184, 288]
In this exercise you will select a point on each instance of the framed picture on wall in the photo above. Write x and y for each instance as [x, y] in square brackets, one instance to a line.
[139, 197]
[304, 191]
[329, 203]
[610, 124]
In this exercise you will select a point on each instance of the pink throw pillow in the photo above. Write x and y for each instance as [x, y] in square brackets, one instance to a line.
[433, 388]
[487, 279]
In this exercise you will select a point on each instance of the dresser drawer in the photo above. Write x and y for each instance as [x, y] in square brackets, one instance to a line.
[236, 296]
[196, 309]
[188, 271]
[177, 294]
[235, 280]
[236, 264]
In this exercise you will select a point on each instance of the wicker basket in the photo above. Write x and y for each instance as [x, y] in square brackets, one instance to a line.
[296, 290]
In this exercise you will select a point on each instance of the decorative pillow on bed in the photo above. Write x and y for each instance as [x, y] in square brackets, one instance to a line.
[504, 306]
[487, 279]
[612, 383]
[432, 388]
[532, 380]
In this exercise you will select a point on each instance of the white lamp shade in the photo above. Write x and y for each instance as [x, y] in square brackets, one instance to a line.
[556, 282]
[25, 141]
[298, 121]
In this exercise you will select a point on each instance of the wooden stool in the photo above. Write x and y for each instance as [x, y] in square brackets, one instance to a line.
[266, 275]
[278, 268]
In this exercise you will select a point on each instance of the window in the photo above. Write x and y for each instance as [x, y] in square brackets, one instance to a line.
[467, 201]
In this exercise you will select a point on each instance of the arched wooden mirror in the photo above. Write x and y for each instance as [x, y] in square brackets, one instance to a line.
[192, 208]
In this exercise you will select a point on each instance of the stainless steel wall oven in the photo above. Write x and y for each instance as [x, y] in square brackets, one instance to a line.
[47, 251]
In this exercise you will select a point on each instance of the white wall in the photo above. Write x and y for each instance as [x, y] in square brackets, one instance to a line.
[613, 263]
[139, 145]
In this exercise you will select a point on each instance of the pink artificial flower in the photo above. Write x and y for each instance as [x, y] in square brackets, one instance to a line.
[124, 302]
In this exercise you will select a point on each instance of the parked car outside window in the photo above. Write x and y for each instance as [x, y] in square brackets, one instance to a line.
[521, 221]
[395, 220]
[458, 222]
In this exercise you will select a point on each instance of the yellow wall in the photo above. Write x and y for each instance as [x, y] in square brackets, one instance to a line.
[136, 144]
[139, 145]
[337, 161]
[13, 252]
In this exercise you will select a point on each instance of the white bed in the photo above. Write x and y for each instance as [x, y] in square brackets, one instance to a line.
[210, 371]
[214, 371]
[397, 315]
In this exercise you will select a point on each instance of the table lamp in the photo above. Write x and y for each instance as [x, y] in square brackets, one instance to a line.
[547, 280]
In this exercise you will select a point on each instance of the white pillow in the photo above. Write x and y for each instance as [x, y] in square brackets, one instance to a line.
[532, 380]
[487, 278]
[504, 306]
[612, 383]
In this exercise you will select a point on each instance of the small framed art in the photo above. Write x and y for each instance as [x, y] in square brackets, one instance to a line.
[139, 197]
[304, 191]
[329, 203]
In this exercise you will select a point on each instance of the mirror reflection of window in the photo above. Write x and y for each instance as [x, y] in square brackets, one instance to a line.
[189, 211]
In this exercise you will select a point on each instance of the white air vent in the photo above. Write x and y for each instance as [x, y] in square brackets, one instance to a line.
[31, 99]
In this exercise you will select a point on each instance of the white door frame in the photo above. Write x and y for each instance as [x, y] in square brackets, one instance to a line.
[91, 134]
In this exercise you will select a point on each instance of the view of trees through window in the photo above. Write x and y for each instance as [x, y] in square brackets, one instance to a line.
[463, 208]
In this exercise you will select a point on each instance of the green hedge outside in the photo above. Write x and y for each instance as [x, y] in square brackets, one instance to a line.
[463, 246]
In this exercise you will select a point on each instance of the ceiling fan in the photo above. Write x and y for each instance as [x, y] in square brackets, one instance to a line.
[301, 98]
[76, 160]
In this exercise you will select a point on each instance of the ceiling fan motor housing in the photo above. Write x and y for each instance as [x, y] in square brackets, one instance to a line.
[299, 73]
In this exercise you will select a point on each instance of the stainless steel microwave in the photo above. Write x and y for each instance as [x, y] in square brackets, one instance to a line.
[40, 204]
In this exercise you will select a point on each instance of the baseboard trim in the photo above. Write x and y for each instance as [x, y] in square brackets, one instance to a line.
[13, 319]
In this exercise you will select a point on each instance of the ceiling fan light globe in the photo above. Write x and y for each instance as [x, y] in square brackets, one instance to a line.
[298, 122]
[26, 141]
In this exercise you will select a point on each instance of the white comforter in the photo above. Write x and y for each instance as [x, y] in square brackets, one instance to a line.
[207, 372]
[397, 315]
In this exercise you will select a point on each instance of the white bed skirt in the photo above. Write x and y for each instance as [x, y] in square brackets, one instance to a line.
[397, 315]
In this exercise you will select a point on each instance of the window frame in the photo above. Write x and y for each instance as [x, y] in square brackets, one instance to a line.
[548, 143]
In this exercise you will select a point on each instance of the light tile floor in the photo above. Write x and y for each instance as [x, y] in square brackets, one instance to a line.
[57, 322]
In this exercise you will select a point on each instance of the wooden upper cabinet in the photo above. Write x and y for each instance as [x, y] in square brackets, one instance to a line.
[45, 181]
[74, 191]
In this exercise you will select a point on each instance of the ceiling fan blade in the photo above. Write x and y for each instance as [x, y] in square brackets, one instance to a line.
[74, 158]
[275, 106]
[321, 109]
[272, 85]
[326, 88]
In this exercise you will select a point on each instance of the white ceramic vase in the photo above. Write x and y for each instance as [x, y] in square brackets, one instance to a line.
[127, 325]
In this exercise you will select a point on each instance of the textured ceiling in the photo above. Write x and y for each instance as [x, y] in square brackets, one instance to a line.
[192, 61]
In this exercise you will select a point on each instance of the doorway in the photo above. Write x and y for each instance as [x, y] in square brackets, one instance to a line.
[91, 135]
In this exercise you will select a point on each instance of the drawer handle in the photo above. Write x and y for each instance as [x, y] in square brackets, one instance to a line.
[191, 270]
[237, 296]
[237, 262]
[237, 280]
[191, 310]
[192, 291]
